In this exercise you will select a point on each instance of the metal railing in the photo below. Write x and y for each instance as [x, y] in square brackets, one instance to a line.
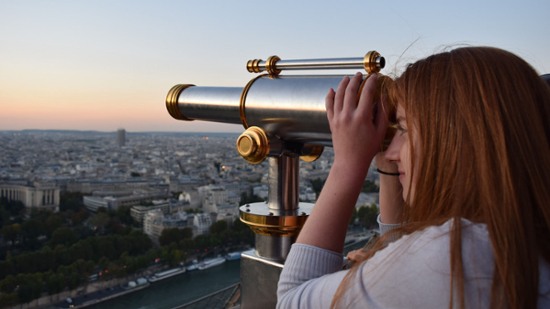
[225, 298]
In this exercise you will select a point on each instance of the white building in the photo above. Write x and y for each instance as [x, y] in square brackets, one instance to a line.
[202, 222]
[92, 203]
[155, 221]
[212, 194]
[152, 223]
[40, 197]
[138, 212]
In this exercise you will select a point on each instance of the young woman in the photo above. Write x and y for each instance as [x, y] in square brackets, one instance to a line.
[471, 161]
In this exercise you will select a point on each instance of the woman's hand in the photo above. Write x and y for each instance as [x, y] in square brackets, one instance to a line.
[357, 131]
[356, 139]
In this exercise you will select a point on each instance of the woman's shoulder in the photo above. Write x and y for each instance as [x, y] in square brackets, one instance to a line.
[438, 237]
[426, 253]
[417, 266]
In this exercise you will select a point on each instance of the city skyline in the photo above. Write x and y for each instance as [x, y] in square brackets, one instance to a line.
[101, 66]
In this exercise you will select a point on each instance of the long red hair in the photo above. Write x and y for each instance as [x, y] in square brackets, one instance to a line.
[482, 117]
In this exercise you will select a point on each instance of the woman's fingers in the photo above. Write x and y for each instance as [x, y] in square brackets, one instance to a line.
[329, 103]
[340, 93]
[350, 101]
[364, 106]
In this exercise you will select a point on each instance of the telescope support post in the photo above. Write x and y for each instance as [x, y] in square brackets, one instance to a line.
[283, 182]
[276, 223]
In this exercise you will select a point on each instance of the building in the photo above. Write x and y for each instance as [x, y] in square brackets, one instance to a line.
[121, 137]
[138, 212]
[203, 222]
[92, 203]
[46, 197]
[152, 224]
[155, 221]
[307, 194]
[212, 195]
[92, 185]
[113, 202]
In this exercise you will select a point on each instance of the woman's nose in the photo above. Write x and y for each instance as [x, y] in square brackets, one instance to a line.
[392, 153]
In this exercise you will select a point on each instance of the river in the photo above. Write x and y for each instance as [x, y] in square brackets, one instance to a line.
[184, 288]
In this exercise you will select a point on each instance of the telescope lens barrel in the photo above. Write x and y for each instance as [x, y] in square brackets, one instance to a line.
[289, 107]
[218, 104]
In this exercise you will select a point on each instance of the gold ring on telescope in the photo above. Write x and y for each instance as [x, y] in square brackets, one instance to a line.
[172, 101]
[270, 65]
[242, 113]
[369, 62]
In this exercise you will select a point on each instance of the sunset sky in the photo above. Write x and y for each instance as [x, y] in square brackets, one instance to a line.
[103, 65]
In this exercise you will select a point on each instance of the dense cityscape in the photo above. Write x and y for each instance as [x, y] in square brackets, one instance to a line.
[77, 206]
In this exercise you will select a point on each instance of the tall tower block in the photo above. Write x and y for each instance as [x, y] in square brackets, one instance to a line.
[121, 137]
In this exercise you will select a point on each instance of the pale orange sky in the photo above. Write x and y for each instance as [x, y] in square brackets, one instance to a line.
[102, 65]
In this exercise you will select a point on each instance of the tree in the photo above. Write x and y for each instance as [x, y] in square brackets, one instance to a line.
[62, 255]
[7, 300]
[114, 227]
[82, 250]
[123, 213]
[99, 221]
[106, 247]
[201, 242]
[186, 233]
[46, 258]
[369, 186]
[125, 244]
[70, 201]
[15, 208]
[6, 269]
[79, 217]
[11, 232]
[74, 280]
[187, 245]
[4, 216]
[141, 242]
[238, 225]
[8, 284]
[30, 287]
[30, 231]
[245, 199]
[168, 236]
[64, 236]
[193, 211]
[317, 185]
[52, 223]
[218, 227]
[55, 283]
[367, 215]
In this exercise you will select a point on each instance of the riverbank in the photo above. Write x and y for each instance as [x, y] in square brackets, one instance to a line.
[46, 301]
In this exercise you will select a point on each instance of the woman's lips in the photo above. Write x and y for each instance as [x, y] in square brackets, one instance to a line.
[401, 176]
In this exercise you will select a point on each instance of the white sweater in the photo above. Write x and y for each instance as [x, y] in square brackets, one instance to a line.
[412, 272]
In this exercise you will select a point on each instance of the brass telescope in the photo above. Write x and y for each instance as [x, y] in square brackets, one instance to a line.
[285, 119]
[289, 107]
